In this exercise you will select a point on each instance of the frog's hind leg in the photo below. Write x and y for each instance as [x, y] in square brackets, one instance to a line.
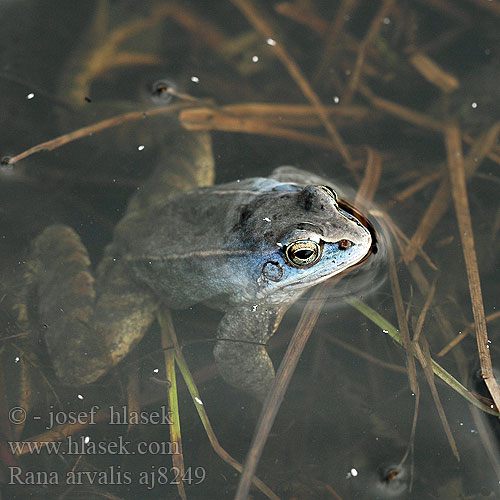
[186, 162]
[240, 351]
[79, 325]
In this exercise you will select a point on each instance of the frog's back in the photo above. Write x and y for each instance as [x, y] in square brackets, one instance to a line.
[187, 249]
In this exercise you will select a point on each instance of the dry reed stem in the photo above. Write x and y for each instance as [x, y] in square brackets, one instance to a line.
[424, 356]
[442, 197]
[493, 155]
[302, 16]
[365, 355]
[275, 396]
[433, 73]
[481, 148]
[435, 210]
[333, 34]
[298, 115]
[133, 390]
[423, 313]
[406, 114]
[467, 331]
[403, 325]
[334, 494]
[420, 184]
[415, 118]
[168, 339]
[488, 438]
[203, 30]
[375, 26]
[107, 55]
[94, 128]
[411, 440]
[371, 179]
[210, 119]
[401, 237]
[459, 190]
[264, 27]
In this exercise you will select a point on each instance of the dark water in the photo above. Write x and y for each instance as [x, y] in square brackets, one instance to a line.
[345, 426]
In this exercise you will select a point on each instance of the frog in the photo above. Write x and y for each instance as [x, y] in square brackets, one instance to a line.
[249, 248]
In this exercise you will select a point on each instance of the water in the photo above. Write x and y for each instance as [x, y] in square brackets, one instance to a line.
[345, 426]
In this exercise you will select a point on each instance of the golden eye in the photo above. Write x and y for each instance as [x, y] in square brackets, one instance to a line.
[329, 191]
[303, 253]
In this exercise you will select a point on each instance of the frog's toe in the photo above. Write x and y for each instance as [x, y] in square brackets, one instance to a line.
[77, 358]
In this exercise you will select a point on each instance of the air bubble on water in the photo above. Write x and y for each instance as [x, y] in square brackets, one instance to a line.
[271, 42]
[352, 473]
[30, 95]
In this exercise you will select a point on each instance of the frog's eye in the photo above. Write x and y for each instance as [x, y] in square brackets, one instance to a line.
[329, 191]
[303, 253]
[163, 91]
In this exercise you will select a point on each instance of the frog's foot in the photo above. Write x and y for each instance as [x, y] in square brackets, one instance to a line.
[240, 351]
[85, 336]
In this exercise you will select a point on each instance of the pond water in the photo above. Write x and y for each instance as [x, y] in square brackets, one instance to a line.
[344, 430]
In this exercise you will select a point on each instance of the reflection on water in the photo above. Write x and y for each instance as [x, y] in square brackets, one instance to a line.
[345, 427]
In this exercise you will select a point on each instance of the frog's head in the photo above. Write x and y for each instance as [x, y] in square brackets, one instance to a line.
[304, 235]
